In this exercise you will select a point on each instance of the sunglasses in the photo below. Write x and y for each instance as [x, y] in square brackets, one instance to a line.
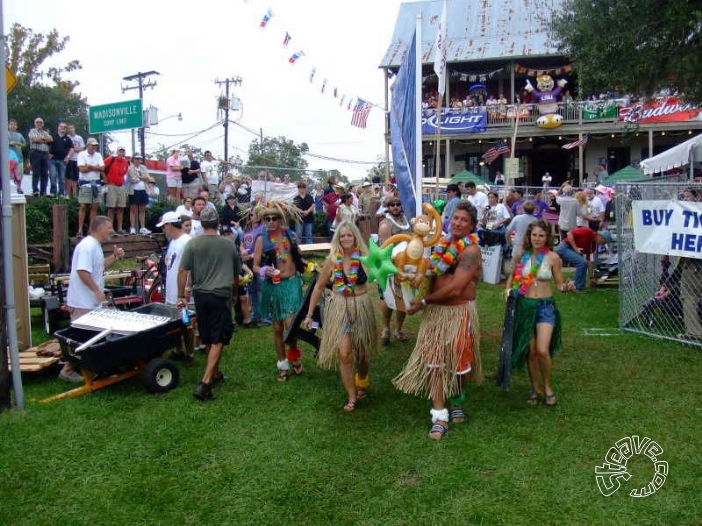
[268, 219]
[395, 204]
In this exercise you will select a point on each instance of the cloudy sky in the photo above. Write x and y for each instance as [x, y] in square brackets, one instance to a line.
[193, 43]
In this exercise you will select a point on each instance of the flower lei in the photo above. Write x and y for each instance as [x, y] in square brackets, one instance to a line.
[282, 249]
[447, 250]
[522, 282]
[342, 284]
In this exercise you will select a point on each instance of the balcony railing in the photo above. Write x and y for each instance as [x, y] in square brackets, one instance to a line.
[572, 112]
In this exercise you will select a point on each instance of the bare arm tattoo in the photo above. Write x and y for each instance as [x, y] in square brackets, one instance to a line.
[469, 261]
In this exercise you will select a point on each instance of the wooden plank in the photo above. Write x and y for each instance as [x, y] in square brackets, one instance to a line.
[36, 364]
[315, 247]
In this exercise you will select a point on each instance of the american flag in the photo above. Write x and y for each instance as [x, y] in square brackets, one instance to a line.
[575, 144]
[494, 153]
[360, 113]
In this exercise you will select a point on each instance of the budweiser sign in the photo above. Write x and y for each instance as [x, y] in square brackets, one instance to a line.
[665, 110]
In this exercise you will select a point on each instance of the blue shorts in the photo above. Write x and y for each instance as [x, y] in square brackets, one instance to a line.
[546, 313]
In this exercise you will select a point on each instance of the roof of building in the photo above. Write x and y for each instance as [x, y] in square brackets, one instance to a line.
[477, 30]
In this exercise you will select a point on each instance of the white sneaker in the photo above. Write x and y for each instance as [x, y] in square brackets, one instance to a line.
[132, 230]
[143, 230]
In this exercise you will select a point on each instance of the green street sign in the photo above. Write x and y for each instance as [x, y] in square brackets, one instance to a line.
[116, 116]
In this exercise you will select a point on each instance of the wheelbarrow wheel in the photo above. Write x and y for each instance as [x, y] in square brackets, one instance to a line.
[161, 375]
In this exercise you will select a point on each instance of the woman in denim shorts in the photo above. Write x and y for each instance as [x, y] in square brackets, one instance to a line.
[537, 323]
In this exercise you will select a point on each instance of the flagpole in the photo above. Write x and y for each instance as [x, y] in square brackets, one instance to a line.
[440, 44]
[418, 116]
[437, 155]
[514, 141]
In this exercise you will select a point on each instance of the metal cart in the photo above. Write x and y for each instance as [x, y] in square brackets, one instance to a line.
[110, 345]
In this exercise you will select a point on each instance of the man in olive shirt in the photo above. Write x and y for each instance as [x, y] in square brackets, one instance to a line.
[215, 266]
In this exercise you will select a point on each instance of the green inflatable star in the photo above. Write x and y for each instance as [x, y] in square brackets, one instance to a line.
[379, 263]
[439, 205]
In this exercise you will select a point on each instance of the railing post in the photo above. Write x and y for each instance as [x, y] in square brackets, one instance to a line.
[61, 242]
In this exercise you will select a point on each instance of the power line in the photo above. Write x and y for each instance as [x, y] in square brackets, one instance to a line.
[346, 161]
[166, 148]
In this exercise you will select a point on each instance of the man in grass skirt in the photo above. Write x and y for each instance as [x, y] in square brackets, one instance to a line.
[278, 263]
[446, 350]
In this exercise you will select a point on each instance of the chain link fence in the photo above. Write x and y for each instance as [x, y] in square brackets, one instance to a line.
[659, 296]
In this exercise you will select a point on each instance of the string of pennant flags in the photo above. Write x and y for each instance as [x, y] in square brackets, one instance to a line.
[534, 72]
[359, 107]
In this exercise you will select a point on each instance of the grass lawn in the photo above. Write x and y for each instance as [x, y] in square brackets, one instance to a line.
[270, 453]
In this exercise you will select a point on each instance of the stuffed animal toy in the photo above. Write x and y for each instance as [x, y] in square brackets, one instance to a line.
[411, 263]
[547, 99]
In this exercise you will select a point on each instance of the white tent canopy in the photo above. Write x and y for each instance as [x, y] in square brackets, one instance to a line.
[680, 155]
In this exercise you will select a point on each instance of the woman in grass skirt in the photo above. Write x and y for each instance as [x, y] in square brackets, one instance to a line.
[349, 334]
[537, 324]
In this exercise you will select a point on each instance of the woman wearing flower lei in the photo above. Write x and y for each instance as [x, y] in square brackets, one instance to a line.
[537, 324]
[349, 335]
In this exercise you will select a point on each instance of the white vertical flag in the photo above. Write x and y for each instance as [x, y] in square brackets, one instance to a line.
[440, 56]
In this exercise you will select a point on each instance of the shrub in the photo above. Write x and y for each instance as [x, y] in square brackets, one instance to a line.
[39, 215]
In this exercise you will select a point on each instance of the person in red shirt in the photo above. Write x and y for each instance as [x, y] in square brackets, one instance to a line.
[576, 249]
[116, 167]
[331, 202]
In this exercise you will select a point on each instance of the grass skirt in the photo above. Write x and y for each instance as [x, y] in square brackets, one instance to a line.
[341, 312]
[525, 329]
[443, 352]
[282, 300]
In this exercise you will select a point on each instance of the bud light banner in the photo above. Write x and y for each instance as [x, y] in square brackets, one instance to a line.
[455, 120]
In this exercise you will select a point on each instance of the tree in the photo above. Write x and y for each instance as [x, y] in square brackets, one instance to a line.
[378, 171]
[42, 90]
[635, 45]
[277, 151]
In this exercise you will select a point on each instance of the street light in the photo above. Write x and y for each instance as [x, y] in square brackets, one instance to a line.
[151, 119]
[159, 121]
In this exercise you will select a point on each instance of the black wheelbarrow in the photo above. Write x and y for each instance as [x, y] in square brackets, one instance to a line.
[109, 346]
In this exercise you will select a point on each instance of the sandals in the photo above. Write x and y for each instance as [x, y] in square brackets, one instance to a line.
[283, 376]
[298, 368]
[361, 394]
[457, 415]
[533, 398]
[551, 400]
[437, 431]
[350, 407]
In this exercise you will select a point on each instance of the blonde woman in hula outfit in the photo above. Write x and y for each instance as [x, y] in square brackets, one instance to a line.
[349, 335]
[537, 324]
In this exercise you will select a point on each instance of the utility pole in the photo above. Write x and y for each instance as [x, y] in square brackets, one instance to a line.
[142, 83]
[222, 105]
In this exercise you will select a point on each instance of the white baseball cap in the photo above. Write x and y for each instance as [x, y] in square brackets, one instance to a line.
[169, 217]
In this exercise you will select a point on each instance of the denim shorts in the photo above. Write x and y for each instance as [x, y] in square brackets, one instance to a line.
[546, 313]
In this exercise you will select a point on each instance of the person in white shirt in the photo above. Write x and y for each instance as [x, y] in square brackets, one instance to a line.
[209, 171]
[199, 204]
[86, 289]
[90, 169]
[546, 180]
[186, 209]
[478, 199]
[172, 226]
[598, 210]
